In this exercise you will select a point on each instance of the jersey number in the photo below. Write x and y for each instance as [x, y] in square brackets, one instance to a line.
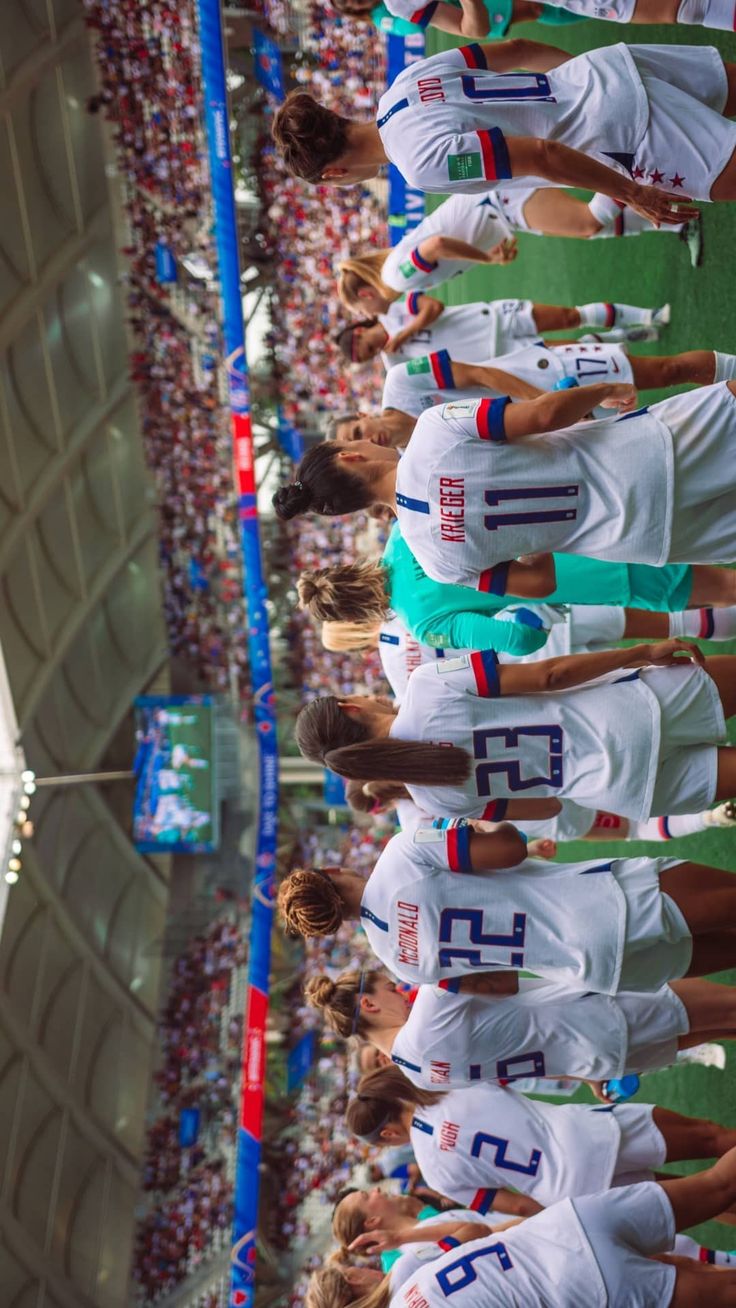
[500, 1146]
[449, 1281]
[474, 919]
[523, 1064]
[512, 767]
[493, 521]
[507, 86]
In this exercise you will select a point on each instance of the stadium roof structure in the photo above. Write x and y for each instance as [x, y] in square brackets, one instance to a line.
[12, 767]
[82, 632]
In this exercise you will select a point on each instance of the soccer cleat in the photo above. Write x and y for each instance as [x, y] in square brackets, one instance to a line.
[707, 1055]
[692, 235]
[723, 815]
[658, 317]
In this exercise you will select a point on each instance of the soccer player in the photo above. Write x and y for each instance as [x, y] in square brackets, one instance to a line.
[421, 325]
[630, 924]
[473, 1144]
[475, 18]
[642, 744]
[442, 1041]
[481, 506]
[624, 120]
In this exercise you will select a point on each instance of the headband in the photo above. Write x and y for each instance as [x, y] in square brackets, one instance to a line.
[358, 997]
[374, 1136]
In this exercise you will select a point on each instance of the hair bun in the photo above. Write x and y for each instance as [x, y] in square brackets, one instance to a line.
[319, 991]
[308, 587]
[289, 501]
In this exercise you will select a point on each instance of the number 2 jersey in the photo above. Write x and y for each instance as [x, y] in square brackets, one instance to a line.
[468, 502]
[444, 120]
[484, 1138]
[429, 917]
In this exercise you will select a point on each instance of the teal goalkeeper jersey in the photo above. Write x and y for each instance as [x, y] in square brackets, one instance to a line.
[456, 617]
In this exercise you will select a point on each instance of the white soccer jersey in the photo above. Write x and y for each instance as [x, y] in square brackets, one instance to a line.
[545, 1260]
[429, 918]
[443, 121]
[415, 1256]
[477, 220]
[468, 502]
[428, 380]
[449, 1041]
[484, 1138]
[401, 654]
[473, 332]
[597, 744]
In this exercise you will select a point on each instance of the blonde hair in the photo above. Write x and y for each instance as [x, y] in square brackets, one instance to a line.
[351, 593]
[363, 270]
[338, 1000]
[339, 636]
[329, 1288]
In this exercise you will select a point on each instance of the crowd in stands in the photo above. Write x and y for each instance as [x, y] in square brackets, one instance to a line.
[190, 1190]
[148, 59]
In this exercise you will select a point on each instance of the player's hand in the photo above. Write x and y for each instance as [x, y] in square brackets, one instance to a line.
[662, 207]
[374, 1242]
[395, 343]
[597, 1089]
[623, 397]
[541, 848]
[666, 653]
[505, 252]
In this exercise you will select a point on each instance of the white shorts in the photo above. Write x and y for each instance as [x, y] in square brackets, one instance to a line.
[655, 1022]
[615, 11]
[595, 626]
[687, 143]
[692, 726]
[624, 1227]
[642, 1147]
[590, 364]
[513, 326]
[658, 947]
[511, 200]
[703, 428]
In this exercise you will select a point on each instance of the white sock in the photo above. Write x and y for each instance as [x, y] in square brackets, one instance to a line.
[686, 1247]
[618, 219]
[601, 314]
[705, 624]
[667, 828]
[720, 14]
[725, 366]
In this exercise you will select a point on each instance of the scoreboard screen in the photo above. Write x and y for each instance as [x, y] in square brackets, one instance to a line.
[175, 808]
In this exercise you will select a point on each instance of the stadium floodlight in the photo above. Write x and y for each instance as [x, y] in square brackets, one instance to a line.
[25, 803]
[28, 775]
[30, 787]
[14, 864]
[16, 847]
[11, 877]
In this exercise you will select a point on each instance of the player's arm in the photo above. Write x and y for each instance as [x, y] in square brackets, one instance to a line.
[470, 19]
[496, 985]
[556, 409]
[571, 670]
[534, 56]
[467, 376]
[533, 576]
[481, 631]
[423, 310]
[436, 248]
[528, 156]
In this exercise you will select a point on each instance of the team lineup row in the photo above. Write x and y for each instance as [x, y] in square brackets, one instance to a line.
[523, 481]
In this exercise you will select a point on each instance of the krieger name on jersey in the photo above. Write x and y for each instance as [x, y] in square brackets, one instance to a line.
[452, 509]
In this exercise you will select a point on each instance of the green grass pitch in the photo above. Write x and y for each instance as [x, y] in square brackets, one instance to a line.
[649, 270]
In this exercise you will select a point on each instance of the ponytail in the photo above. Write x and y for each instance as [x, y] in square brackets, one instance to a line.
[349, 593]
[323, 485]
[340, 1000]
[310, 903]
[380, 1096]
[363, 270]
[340, 741]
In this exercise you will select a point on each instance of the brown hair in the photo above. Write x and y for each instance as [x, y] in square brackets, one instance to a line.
[338, 999]
[310, 903]
[335, 420]
[326, 734]
[363, 270]
[322, 485]
[345, 338]
[308, 136]
[380, 1096]
[329, 1288]
[357, 797]
[351, 592]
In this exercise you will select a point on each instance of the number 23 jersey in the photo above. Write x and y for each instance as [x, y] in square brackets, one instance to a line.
[597, 744]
